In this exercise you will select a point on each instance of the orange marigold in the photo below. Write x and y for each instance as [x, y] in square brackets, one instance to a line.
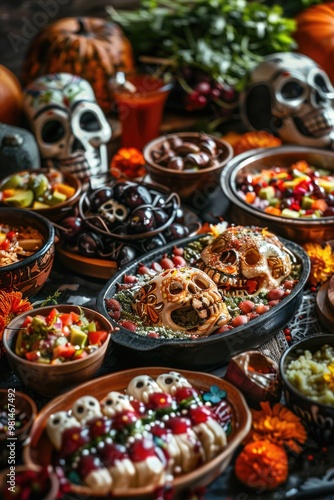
[278, 425]
[128, 162]
[262, 465]
[322, 262]
[11, 304]
[255, 139]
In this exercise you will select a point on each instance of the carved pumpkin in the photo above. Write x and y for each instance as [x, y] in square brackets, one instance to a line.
[89, 47]
[11, 98]
[314, 35]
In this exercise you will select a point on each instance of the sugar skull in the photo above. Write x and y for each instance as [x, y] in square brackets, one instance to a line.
[290, 96]
[245, 261]
[70, 127]
[183, 299]
[141, 387]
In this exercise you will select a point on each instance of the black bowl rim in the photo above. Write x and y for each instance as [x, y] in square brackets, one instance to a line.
[49, 241]
[291, 388]
[153, 343]
[232, 168]
[155, 167]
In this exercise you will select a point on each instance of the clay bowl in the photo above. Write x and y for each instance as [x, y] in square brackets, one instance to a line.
[49, 380]
[28, 478]
[317, 417]
[39, 449]
[206, 353]
[21, 409]
[30, 273]
[59, 210]
[300, 230]
[191, 185]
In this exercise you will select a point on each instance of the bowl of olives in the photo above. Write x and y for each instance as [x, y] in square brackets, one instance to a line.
[120, 220]
[190, 163]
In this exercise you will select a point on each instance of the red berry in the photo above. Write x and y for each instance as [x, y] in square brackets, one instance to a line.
[246, 306]
[200, 414]
[124, 419]
[99, 426]
[112, 452]
[177, 251]
[156, 267]
[239, 320]
[167, 263]
[158, 400]
[262, 308]
[128, 278]
[87, 464]
[179, 261]
[186, 393]
[73, 439]
[129, 325]
[141, 449]
[276, 293]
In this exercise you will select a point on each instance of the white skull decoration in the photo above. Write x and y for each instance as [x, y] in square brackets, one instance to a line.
[113, 211]
[114, 403]
[289, 95]
[170, 382]
[70, 127]
[183, 299]
[141, 387]
[86, 408]
[56, 425]
[245, 261]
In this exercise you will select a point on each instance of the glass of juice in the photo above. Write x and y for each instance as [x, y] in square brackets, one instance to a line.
[140, 99]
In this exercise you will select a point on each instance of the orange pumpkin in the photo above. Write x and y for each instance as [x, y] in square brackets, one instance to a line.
[89, 47]
[11, 97]
[314, 35]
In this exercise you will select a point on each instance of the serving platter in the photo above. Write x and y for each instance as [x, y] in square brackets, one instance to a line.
[203, 353]
[38, 449]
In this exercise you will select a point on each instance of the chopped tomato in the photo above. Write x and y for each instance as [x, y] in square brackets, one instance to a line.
[75, 317]
[66, 319]
[97, 337]
[66, 351]
[27, 321]
[32, 355]
[51, 316]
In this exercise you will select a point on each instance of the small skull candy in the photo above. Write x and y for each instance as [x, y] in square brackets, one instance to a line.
[86, 408]
[114, 403]
[141, 387]
[56, 425]
[245, 261]
[70, 127]
[183, 299]
[292, 97]
[170, 382]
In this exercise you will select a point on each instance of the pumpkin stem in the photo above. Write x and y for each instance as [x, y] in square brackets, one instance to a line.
[81, 28]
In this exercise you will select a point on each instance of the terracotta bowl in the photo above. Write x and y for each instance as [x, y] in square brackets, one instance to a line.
[27, 477]
[190, 185]
[56, 212]
[51, 380]
[28, 275]
[300, 230]
[317, 417]
[39, 449]
[22, 410]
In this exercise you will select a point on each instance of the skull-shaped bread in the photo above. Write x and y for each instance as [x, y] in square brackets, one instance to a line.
[245, 261]
[141, 387]
[183, 299]
[56, 425]
[170, 382]
[70, 127]
[290, 96]
[86, 408]
[115, 402]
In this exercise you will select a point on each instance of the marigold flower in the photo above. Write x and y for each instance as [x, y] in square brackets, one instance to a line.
[329, 377]
[256, 139]
[128, 162]
[322, 262]
[278, 425]
[262, 465]
[11, 304]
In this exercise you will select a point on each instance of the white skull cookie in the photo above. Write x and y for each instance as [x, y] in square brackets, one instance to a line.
[183, 299]
[245, 261]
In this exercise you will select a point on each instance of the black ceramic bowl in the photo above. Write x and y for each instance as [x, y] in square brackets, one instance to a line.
[210, 352]
[318, 418]
[300, 230]
[29, 274]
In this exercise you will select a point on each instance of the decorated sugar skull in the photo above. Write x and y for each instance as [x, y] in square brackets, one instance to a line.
[56, 425]
[86, 408]
[170, 382]
[115, 402]
[70, 127]
[290, 96]
[183, 299]
[113, 211]
[245, 261]
[141, 387]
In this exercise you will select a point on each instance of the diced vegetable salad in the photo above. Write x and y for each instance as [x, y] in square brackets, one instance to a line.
[58, 337]
[299, 191]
